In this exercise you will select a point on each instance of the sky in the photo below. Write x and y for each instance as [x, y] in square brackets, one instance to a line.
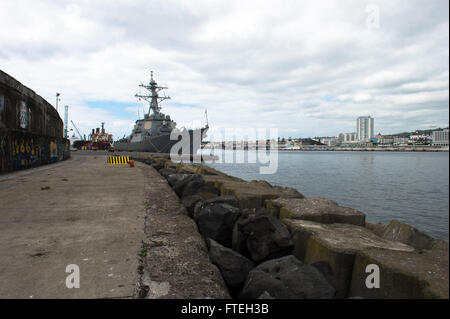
[307, 68]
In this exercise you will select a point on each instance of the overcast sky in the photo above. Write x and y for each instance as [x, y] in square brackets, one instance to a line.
[308, 68]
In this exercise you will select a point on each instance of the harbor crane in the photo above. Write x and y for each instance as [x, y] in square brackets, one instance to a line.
[81, 137]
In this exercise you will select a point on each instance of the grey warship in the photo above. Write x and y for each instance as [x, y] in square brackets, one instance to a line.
[152, 133]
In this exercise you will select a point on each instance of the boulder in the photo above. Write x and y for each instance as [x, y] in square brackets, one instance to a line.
[194, 186]
[172, 179]
[157, 165]
[319, 210]
[337, 244]
[207, 192]
[230, 200]
[233, 266]
[261, 236]
[227, 199]
[398, 231]
[189, 202]
[197, 209]
[193, 179]
[216, 221]
[327, 271]
[265, 295]
[286, 278]
[165, 172]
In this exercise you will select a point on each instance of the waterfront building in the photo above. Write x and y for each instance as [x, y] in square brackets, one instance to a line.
[364, 128]
[330, 141]
[400, 140]
[440, 138]
[385, 139]
[349, 137]
[309, 141]
[420, 139]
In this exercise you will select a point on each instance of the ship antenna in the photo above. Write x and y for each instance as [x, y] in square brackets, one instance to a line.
[154, 97]
[206, 114]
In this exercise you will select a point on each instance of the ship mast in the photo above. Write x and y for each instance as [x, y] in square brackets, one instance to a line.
[154, 98]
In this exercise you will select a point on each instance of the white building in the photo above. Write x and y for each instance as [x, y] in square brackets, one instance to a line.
[330, 141]
[400, 140]
[385, 140]
[420, 139]
[349, 137]
[440, 138]
[364, 128]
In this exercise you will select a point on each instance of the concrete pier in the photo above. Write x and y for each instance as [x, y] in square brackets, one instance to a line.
[85, 212]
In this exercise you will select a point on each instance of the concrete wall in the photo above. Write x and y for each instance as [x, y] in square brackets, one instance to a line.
[31, 131]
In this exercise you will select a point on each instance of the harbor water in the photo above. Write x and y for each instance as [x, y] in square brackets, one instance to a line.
[412, 187]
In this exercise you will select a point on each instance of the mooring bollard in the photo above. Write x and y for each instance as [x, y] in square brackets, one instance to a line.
[131, 162]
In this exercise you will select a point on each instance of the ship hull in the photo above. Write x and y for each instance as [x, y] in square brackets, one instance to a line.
[159, 144]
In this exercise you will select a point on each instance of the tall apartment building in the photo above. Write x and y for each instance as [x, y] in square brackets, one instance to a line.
[364, 128]
[440, 138]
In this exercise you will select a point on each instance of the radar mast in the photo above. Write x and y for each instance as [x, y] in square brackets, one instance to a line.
[153, 99]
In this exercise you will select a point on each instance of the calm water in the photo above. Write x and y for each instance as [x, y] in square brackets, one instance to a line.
[411, 187]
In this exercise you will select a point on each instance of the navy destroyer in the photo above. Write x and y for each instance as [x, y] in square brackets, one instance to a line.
[153, 132]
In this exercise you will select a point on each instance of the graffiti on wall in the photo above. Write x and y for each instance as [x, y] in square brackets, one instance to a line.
[23, 150]
[53, 152]
[23, 115]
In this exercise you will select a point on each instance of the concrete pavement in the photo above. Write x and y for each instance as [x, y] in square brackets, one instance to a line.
[80, 211]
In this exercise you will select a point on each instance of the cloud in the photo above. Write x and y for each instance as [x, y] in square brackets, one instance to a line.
[309, 68]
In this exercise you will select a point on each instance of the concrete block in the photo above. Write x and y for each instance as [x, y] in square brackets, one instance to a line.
[170, 164]
[378, 228]
[319, 210]
[336, 244]
[399, 231]
[216, 181]
[185, 168]
[206, 170]
[254, 194]
[410, 275]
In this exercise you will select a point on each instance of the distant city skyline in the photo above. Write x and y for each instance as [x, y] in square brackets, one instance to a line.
[376, 132]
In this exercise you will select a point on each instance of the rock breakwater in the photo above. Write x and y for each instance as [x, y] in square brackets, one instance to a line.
[272, 242]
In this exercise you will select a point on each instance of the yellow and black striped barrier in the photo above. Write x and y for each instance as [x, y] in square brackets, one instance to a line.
[118, 160]
[83, 148]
